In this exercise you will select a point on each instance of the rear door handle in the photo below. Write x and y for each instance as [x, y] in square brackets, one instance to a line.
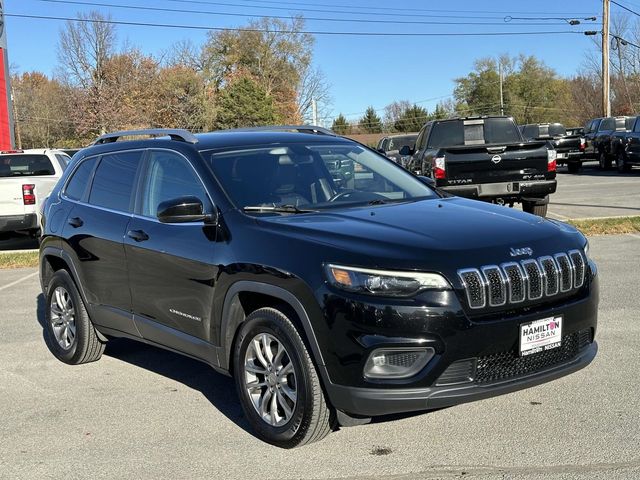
[76, 222]
[137, 235]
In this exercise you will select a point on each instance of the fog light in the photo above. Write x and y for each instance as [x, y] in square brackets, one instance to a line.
[397, 362]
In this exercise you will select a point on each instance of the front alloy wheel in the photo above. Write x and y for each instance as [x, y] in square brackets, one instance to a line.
[278, 385]
[270, 379]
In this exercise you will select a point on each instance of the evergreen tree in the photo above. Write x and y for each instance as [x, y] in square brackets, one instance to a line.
[243, 103]
[412, 119]
[341, 126]
[371, 122]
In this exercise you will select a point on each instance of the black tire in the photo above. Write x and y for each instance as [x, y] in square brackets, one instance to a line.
[85, 346]
[574, 167]
[535, 208]
[604, 162]
[312, 417]
[621, 165]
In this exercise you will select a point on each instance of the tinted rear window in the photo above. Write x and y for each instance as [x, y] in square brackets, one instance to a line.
[396, 143]
[113, 181]
[25, 165]
[80, 179]
[474, 132]
[629, 123]
[557, 130]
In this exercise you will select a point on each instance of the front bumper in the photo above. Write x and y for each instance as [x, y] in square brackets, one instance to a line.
[15, 223]
[505, 190]
[374, 402]
[488, 342]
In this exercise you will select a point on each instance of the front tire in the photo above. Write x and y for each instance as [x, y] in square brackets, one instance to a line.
[621, 165]
[279, 388]
[69, 333]
[604, 162]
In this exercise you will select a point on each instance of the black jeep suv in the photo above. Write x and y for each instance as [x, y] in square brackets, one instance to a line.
[329, 304]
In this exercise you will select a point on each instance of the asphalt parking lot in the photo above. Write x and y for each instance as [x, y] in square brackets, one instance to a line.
[594, 193]
[141, 412]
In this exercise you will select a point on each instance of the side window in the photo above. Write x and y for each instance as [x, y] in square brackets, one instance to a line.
[64, 160]
[77, 186]
[420, 141]
[114, 179]
[170, 176]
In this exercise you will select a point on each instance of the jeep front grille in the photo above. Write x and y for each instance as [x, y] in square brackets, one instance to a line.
[531, 279]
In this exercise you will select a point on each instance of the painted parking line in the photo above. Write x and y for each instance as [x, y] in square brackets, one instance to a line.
[20, 280]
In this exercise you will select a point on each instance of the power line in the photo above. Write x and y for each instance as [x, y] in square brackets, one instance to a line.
[289, 9]
[243, 15]
[294, 32]
[625, 8]
[367, 9]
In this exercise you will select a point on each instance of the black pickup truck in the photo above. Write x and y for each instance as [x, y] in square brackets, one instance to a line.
[569, 145]
[486, 158]
[625, 147]
[598, 134]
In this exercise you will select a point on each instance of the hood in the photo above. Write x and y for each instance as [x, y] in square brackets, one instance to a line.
[423, 234]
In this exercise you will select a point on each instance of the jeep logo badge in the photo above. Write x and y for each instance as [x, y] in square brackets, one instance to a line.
[496, 159]
[518, 252]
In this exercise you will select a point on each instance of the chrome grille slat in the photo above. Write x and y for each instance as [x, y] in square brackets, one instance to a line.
[566, 272]
[497, 285]
[535, 279]
[579, 267]
[530, 279]
[551, 275]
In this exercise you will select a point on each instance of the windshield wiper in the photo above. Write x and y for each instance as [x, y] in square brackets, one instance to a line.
[277, 209]
[378, 201]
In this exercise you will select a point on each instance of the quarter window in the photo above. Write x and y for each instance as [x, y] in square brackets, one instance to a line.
[77, 186]
[169, 176]
[114, 179]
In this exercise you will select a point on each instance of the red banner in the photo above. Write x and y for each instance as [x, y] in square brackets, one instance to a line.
[5, 114]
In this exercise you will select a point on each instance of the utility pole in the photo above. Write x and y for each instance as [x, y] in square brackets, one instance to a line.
[606, 99]
[501, 93]
[314, 110]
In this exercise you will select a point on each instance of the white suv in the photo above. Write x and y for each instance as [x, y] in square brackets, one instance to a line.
[26, 179]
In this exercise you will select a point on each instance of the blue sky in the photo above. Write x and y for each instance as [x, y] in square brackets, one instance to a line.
[362, 71]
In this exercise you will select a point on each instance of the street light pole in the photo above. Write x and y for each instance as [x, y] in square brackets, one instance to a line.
[606, 98]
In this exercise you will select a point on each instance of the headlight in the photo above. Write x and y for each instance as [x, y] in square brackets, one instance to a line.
[383, 282]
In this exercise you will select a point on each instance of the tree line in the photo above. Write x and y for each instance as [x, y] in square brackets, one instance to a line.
[257, 76]
[264, 74]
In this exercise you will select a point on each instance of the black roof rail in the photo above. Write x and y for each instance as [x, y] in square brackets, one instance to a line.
[173, 133]
[286, 128]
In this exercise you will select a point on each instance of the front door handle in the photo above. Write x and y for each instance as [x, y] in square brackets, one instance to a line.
[137, 235]
[76, 222]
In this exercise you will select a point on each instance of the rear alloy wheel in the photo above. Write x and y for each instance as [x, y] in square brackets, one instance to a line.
[535, 208]
[277, 382]
[69, 333]
[604, 161]
[621, 165]
[573, 167]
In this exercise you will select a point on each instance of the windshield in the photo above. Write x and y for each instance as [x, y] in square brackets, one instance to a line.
[396, 143]
[313, 177]
[453, 133]
[25, 165]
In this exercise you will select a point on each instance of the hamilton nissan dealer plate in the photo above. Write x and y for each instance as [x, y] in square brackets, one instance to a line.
[540, 335]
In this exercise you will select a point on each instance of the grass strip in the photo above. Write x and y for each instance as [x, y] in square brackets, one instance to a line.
[18, 259]
[608, 226]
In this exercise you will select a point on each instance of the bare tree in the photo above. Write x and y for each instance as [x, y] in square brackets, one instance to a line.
[85, 46]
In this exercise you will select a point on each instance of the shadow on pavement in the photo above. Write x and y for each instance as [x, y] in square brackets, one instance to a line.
[218, 389]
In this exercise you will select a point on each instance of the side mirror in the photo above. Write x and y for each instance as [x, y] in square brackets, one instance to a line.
[184, 210]
[405, 151]
[428, 181]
